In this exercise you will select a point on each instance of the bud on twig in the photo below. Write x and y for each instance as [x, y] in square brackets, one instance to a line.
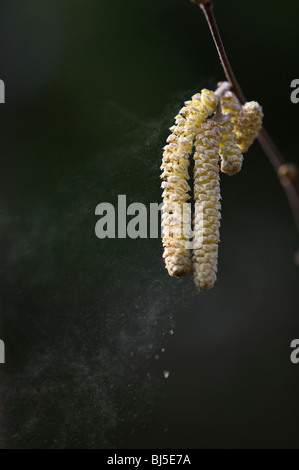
[288, 173]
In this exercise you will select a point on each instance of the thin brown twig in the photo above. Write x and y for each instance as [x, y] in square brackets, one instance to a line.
[290, 180]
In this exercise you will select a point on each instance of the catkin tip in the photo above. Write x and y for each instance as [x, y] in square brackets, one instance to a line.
[248, 124]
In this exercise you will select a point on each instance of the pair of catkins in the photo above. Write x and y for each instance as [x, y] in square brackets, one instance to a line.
[218, 130]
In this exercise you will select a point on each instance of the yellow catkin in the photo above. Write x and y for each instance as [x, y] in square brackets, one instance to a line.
[231, 156]
[231, 105]
[207, 205]
[175, 175]
[248, 125]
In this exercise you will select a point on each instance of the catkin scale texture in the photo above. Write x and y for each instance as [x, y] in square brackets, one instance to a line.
[248, 125]
[231, 156]
[175, 215]
[231, 105]
[207, 205]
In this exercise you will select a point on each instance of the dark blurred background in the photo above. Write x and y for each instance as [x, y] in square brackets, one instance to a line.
[93, 327]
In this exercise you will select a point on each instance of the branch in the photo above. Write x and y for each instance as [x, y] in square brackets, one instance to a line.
[287, 173]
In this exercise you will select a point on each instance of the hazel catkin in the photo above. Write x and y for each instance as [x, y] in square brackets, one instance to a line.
[207, 205]
[231, 156]
[175, 212]
[248, 124]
